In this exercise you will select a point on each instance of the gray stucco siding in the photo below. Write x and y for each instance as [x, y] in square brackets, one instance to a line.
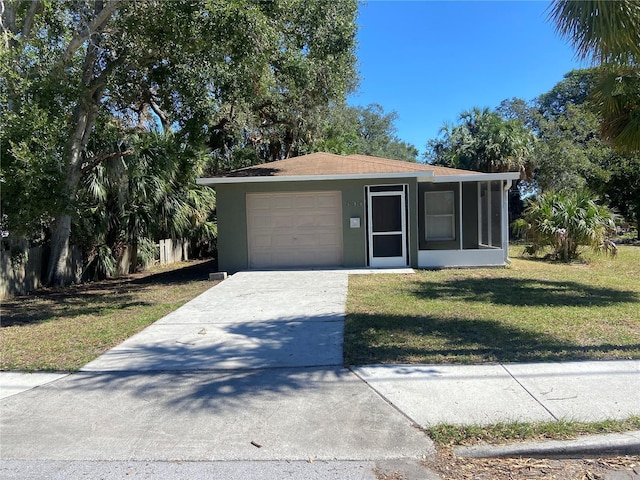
[232, 217]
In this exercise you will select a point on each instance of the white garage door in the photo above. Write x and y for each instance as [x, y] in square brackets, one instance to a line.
[294, 229]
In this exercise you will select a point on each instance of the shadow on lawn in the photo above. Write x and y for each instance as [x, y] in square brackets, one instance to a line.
[426, 339]
[524, 292]
[94, 297]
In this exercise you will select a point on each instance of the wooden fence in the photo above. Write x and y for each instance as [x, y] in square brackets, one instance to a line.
[23, 273]
[172, 251]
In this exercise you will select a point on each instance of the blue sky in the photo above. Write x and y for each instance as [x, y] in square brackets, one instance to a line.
[429, 60]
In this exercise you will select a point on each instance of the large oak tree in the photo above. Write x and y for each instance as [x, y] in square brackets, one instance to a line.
[72, 70]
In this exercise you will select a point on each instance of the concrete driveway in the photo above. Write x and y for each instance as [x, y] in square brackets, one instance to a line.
[249, 370]
[251, 320]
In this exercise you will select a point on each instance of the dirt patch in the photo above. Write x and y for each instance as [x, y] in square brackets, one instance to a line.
[450, 467]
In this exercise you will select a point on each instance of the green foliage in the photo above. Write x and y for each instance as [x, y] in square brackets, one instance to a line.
[147, 253]
[601, 30]
[485, 142]
[79, 80]
[102, 264]
[565, 222]
[621, 187]
[609, 34]
[571, 153]
[148, 195]
[363, 130]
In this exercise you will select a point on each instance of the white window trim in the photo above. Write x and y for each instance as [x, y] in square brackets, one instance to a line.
[451, 215]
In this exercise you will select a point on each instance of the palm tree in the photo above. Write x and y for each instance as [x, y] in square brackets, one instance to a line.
[565, 222]
[485, 142]
[608, 33]
[604, 30]
[151, 195]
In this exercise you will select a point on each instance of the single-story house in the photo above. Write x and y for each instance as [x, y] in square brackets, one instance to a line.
[326, 210]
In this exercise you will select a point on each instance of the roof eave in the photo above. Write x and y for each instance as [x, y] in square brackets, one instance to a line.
[309, 178]
[424, 176]
[472, 177]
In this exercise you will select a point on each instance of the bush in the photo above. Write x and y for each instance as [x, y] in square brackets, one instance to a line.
[565, 222]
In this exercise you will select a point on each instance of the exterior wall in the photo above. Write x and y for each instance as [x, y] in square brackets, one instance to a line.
[232, 218]
[488, 257]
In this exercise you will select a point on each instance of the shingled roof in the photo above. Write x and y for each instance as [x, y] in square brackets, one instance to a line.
[328, 166]
[321, 163]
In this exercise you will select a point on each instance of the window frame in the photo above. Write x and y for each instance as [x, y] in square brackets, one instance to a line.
[451, 215]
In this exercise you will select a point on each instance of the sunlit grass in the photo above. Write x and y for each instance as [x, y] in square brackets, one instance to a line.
[448, 435]
[62, 330]
[531, 311]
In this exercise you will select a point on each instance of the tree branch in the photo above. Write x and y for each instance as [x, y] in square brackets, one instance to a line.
[28, 21]
[164, 118]
[7, 22]
[96, 24]
[94, 161]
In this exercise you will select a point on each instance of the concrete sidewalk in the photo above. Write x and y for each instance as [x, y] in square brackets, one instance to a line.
[587, 391]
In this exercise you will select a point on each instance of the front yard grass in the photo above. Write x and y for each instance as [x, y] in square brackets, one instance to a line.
[445, 435]
[531, 311]
[63, 329]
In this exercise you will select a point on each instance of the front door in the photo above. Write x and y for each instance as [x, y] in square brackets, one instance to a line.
[387, 225]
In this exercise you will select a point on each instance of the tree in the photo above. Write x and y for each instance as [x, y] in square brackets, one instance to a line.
[609, 34]
[485, 142]
[620, 188]
[363, 130]
[571, 154]
[603, 31]
[186, 65]
[565, 222]
[150, 196]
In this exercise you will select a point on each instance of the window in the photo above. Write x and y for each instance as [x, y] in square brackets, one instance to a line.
[440, 220]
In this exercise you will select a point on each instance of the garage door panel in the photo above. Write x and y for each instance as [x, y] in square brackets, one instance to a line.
[262, 241]
[279, 221]
[326, 220]
[305, 221]
[296, 230]
[281, 202]
[283, 241]
[306, 201]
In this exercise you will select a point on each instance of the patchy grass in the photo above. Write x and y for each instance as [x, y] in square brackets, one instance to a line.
[63, 329]
[448, 435]
[531, 311]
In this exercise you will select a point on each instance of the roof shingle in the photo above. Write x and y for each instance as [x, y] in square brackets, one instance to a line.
[321, 163]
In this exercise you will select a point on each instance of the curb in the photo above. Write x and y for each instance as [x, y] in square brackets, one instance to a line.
[627, 443]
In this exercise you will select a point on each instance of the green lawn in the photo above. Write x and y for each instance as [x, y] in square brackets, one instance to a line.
[63, 329]
[531, 311]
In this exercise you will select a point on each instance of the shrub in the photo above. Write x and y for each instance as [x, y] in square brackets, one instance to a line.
[565, 222]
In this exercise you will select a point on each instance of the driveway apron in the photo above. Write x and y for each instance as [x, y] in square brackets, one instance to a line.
[251, 320]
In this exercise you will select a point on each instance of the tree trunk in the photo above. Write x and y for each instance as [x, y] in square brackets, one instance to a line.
[57, 271]
[84, 118]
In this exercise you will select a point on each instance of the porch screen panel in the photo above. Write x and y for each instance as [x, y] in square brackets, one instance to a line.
[484, 213]
[496, 214]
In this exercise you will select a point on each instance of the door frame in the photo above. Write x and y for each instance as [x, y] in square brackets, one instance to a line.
[402, 192]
